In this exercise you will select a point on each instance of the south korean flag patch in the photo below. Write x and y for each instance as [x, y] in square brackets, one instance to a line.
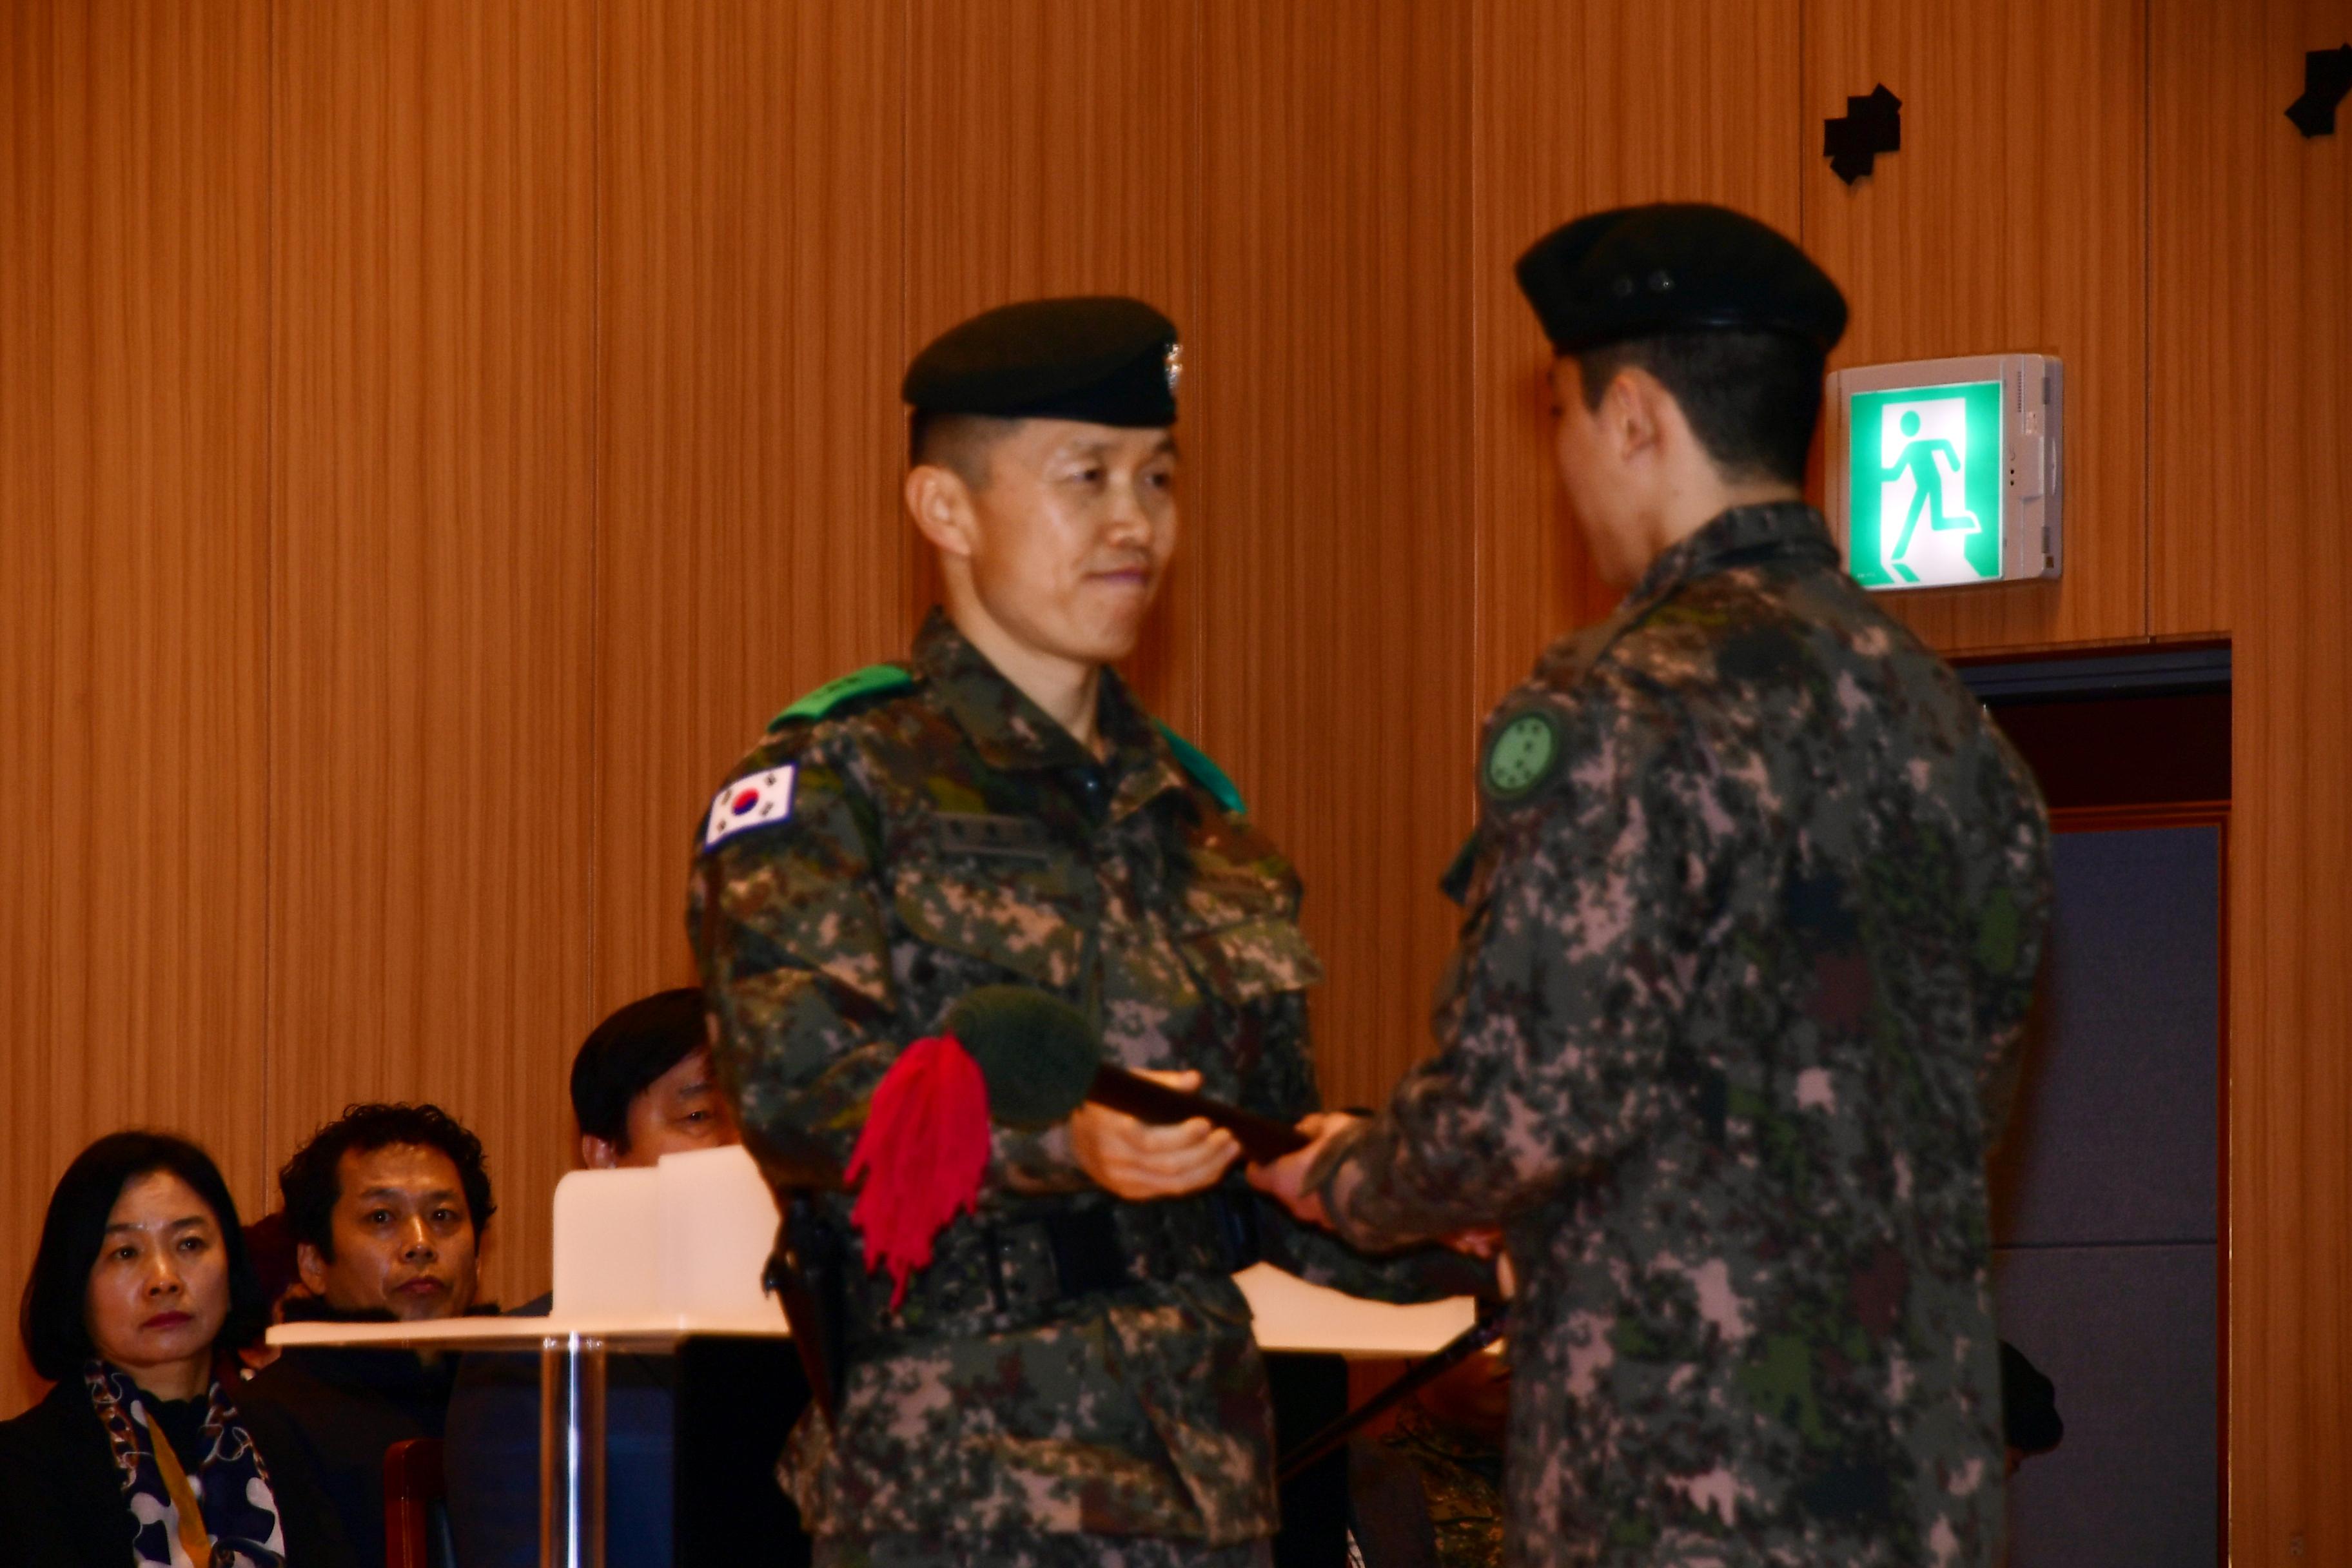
[757, 800]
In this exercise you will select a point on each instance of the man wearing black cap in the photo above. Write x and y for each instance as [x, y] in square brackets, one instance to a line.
[1072, 1377]
[1753, 911]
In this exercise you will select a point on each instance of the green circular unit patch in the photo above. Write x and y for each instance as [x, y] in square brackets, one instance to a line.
[1522, 756]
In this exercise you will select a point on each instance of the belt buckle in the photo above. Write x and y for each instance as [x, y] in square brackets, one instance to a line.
[1089, 1258]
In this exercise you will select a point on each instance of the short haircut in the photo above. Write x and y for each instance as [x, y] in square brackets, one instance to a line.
[1752, 398]
[311, 1184]
[625, 1053]
[956, 442]
[52, 1318]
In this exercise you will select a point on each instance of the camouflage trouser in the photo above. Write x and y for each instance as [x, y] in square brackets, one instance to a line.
[1022, 1549]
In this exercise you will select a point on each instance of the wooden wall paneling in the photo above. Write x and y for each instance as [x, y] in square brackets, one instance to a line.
[2217, 230]
[1052, 149]
[2252, 396]
[2013, 219]
[133, 153]
[2245, 302]
[1332, 341]
[432, 522]
[748, 159]
[1577, 108]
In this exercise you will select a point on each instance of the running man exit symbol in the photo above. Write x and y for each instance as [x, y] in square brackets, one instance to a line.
[1926, 485]
[1918, 462]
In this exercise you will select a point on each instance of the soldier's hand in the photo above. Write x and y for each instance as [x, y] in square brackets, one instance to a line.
[1137, 1160]
[1285, 1180]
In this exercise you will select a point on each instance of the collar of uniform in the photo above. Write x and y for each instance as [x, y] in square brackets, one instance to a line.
[1740, 537]
[1007, 729]
[1143, 765]
[1010, 732]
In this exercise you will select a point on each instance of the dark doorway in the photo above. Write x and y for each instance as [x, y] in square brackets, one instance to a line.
[2108, 1206]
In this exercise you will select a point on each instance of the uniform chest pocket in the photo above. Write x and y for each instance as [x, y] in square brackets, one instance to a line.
[1253, 958]
[1014, 913]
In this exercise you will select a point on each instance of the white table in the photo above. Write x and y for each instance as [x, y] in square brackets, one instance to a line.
[645, 1259]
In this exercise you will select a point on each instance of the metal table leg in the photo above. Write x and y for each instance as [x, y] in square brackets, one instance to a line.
[572, 1451]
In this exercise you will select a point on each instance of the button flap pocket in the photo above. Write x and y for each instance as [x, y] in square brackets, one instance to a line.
[1254, 958]
[1009, 921]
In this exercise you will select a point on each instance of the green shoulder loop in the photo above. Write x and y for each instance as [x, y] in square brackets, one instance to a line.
[1205, 774]
[873, 680]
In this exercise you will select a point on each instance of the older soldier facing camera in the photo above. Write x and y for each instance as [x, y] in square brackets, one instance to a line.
[1072, 1378]
[1752, 915]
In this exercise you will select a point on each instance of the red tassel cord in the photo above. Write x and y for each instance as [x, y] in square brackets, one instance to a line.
[922, 1155]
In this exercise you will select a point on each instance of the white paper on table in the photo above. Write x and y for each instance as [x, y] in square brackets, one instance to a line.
[717, 1226]
[1292, 1315]
[607, 1257]
[687, 1242]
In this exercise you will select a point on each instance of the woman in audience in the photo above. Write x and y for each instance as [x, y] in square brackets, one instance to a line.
[138, 1455]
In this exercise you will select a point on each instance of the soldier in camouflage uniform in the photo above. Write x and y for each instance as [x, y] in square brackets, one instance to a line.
[1460, 1474]
[1428, 1492]
[1073, 1379]
[1752, 917]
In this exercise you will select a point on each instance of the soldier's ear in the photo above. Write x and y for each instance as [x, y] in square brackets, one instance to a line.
[1636, 415]
[941, 503]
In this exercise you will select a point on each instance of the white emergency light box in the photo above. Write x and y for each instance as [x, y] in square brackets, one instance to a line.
[1944, 473]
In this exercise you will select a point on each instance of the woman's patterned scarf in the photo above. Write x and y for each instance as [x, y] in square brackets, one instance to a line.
[231, 1484]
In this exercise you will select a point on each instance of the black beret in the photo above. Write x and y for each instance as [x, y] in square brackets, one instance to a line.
[1675, 266]
[1101, 359]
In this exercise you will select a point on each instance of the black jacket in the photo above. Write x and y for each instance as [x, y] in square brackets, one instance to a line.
[342, 1407]
[62, 1503]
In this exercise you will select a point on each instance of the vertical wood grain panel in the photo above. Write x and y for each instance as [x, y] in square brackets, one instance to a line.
[1051, 149]
[750, 545]
[2252, 396]
[2246, 300]
[2012, 220]
[1334, 571]
[433, 531]
[1578, 108]
[133, 153]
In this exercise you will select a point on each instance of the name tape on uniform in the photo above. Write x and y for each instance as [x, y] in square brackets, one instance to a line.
[757, 800]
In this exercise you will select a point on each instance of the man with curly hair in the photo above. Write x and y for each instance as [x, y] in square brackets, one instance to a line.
[387, 1207]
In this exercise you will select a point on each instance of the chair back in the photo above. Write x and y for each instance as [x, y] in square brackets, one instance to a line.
[413, 1490]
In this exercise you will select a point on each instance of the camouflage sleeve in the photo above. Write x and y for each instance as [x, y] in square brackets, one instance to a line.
[1285, 1089]
[790, 934]
[788, 929]
[1562, 995]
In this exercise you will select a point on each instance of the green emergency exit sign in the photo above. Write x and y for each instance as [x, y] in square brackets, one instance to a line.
[1926, 485]
[1943, 473]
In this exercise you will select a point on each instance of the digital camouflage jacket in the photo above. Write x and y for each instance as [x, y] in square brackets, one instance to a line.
[1752, 916]
[1070, 1362]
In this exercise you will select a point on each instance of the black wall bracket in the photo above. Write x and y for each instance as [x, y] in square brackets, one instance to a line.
[2327, 78]
[1871, 125]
